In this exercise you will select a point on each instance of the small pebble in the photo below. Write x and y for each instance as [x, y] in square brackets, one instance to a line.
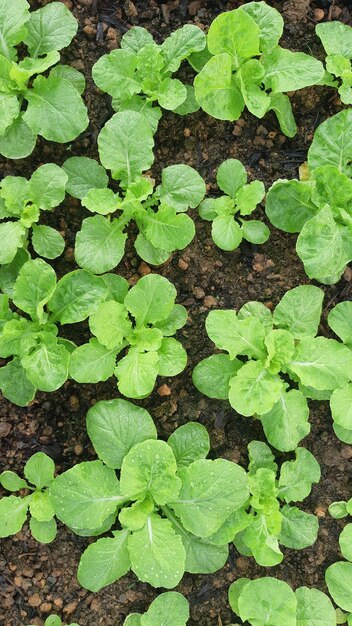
[319, 14]
[34, 600]
[182, 265]
[164, 390]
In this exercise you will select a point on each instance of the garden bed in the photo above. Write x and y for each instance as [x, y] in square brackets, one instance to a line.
[37, 579]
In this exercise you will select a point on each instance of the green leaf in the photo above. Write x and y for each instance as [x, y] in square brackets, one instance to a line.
[137, 103]
[255, 231]
[117, 287]
[148, 252]
[254, 390]
[172, 357]
[40, 505]
[299, 311]
[202, 556]
[249, 196]
[77, 295]
[345, 542]
[151, 299]
[180, 44]
[210, 491]
[136, 38]
[84, 174]
[92, 362]
[85, 495]
[136, 373]
[250, 77]
[169, 607]
[9, 110]
[245, 336]
[176, 320]
[257, 310]
[104, 562]
[169, 230]
[13, 514]
[14, 191]
[235, 591]
[55, 109]
[295, 196]
[342, 433]
[181, 187]
[340, 321]
[231, 176]
[171, 93]
[331, 144]
[263, 544]
[110, 324]
[150, 468]
[47, 186]
[39, 470]
[55, 620]
[47, 242]
[73, 76]
[338, 578]
[100, 244]
[267, 598]
[135, 516]
[12, 20]
[299, 529]
[331, 187]
[260, 455]
[288, 71]
[341, 407]
[50, 28]
[236, 33]
[157, 553]
[297, 477]
[286, 424]
[212, 376]
[322, 363]
[190, 105]
[226, 233]
[217, 91]
[269, 21]
[314, 608]
[114, 73]
[12, 235]
[338, 510]
[189, 443]
[102, 201]
[34, 287]
[9, 272]
[11, 482]
[15, 385]
[18, 141]
[336, 38]
[281, 105]
[47, 365]
[126, 146]
[133, 619]
[44, 532]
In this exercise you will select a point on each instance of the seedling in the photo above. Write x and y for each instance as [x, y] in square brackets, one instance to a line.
[226, 212]
[337, 41]
[168, 608]
[55, 620]
[53, 107]
[282, 352]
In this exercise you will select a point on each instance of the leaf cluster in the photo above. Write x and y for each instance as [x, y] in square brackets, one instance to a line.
[340, 321]
[268, 356]
[336, 38]
[53, 107]
[338, 576]
[247, 67]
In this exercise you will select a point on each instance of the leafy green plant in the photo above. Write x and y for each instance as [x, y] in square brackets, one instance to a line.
[40, 358]
[268, 521]
[249, 69]
[38, 471]
[159, 214]
[169, 499]
[271, 601]
[320, 208]
[21, 201]
[226, 212]
[281, 352]
[338, 576]
[337, 41]
[55, 620]
[340, 321]
[140, 73]
[142, 320]
[48, 106]
[168, 608]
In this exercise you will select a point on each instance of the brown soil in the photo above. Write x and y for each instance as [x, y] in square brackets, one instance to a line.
[37, 579]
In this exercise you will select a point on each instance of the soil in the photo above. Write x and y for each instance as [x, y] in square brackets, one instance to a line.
[38, 579]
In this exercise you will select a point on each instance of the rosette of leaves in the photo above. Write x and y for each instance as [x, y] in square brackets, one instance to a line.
[140, 73]
[55, 620]
[338, 576]
[268, 522]
[21, 201]
[14, 510]
[337, 41]
[273, 362]
[50, 106]
[249, 69]
[29, 336]
[125, 147]
[340, 321]
[137, 328]
[254, 600]
[227, 212]
[168, 608]
[319, 207]
[163, 509]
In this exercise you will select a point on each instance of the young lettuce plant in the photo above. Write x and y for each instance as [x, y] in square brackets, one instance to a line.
[143, 321]
[337, 41]
[169, 499]
[340, 321]
[38, 471]
[319, 208]
[21, 201]
[55, 620]
[140, 73]
[263, 599]
[168, 608]
[249, 68]
[278, 351]
[226, 212]
[125, 147]
[267, 520]
[40, 358]
[338, 576]
[48, 106]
